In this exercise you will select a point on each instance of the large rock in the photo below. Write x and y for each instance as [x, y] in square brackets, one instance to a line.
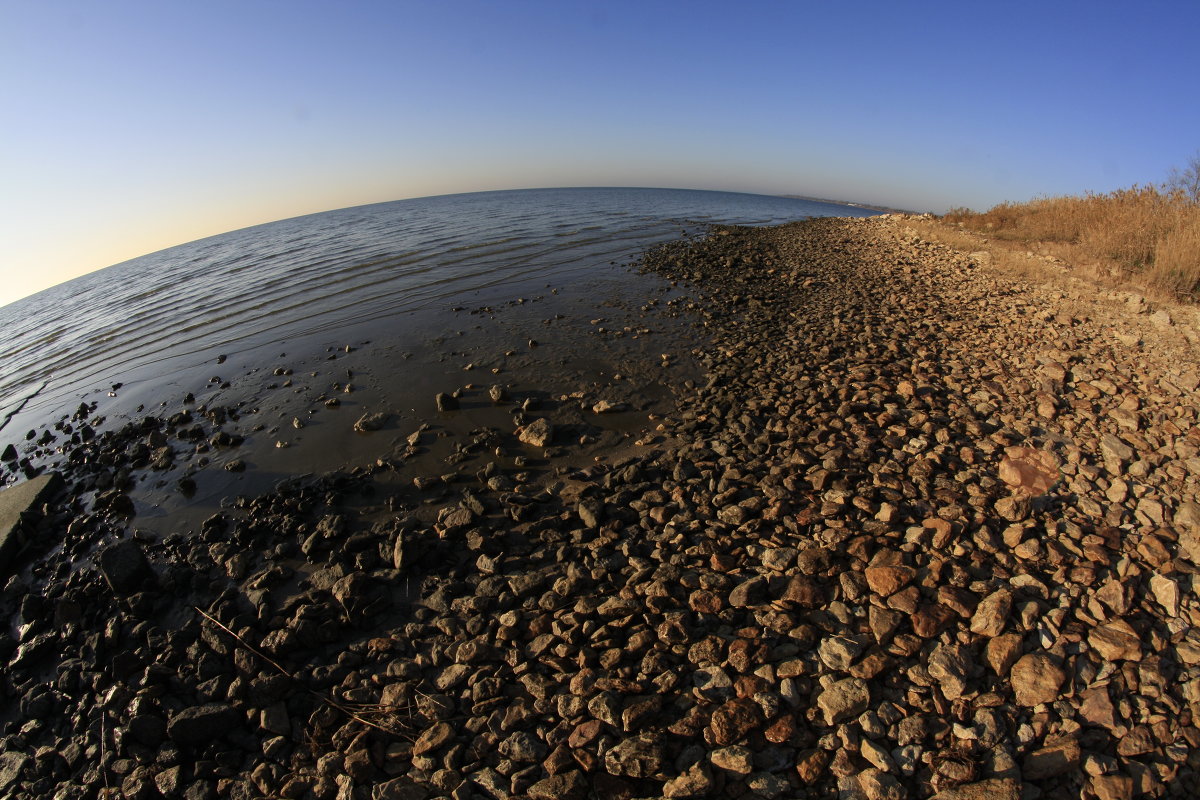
[844, 699]
[15, 501]
[887, 580]
[1029, 470]
[1057, 758]
[991, 615]
[1187, 525]
[1116, 641]
[539, 433]
[125, 567]
[637, 757]
[1036, 678]
[201, 724]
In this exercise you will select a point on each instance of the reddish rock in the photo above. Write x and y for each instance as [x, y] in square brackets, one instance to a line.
[1116, 640]
[734, 720]
[1002, 652]
[1036, 678]
[585, 733]
[1029, 470]
[886, 581]
[1054, 759]
[804, 592]
[931, 620]
[811, 763]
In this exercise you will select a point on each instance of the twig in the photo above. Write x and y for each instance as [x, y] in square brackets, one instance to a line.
[323, 698]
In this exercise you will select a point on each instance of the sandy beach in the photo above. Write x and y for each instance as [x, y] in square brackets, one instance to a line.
[819, 510]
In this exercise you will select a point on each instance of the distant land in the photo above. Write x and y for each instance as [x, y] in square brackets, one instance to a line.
[885, 209]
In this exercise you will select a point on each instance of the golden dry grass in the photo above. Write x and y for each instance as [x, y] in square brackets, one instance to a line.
[1144, 237]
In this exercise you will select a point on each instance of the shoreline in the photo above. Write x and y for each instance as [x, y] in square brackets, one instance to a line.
[913, 528]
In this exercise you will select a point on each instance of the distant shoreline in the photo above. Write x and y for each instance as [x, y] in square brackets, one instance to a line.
[869, 206]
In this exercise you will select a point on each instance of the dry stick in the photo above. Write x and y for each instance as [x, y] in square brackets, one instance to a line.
[328, 701]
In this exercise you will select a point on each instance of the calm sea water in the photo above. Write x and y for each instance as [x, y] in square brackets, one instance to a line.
[316, 274]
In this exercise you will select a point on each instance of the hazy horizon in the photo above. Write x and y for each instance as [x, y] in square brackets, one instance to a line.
[133, 127]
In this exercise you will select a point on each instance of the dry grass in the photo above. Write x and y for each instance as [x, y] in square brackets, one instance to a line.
[1143, 237]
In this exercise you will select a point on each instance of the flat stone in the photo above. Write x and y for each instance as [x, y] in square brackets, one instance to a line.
[1029, 470]
[1116, 640]
[371, 422]
[1055, 759]
[15, 501]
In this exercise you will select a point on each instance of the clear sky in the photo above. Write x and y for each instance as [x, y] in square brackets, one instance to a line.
[132, 126]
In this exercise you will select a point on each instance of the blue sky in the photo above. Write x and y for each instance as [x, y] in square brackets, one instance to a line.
[133, 126]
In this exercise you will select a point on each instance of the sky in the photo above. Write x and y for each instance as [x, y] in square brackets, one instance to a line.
[128, 127]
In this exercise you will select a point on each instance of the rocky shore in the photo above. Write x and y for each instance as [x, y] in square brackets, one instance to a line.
[918, 530]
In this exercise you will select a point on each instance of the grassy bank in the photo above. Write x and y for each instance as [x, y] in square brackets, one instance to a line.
[1143, 238]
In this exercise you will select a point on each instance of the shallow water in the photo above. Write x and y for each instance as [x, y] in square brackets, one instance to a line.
[271, 286]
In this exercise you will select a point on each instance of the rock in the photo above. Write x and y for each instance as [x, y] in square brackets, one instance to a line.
[125, 567]
[433, 739]
[696, 781]
[1115, 450]
[733, 759]
[198, 725]
[839, 652]
[991, 789]
[445, 402]
[749, 593]
[11, 764]
[734, 720]
[810, 764]
[524, 747]
[991, 615]
[844, 699]
[1166, 593]
[15, 502]
[1029, 470]
[641, 756]
[539, 433]
[950, 668]
[887, 580]
[1112, 787]
[1116, 640]
[1036, 678]
[609, 407]
[878, 785]
[371, 422]
[564, 786]
[1014, 508]
[1054, 759]
[1187, 524]
[497, 394]
[1002, 652]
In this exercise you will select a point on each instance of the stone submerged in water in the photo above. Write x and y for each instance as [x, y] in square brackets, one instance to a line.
[371, 422]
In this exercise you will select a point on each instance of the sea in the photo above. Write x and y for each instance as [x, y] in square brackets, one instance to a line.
[315, 280]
